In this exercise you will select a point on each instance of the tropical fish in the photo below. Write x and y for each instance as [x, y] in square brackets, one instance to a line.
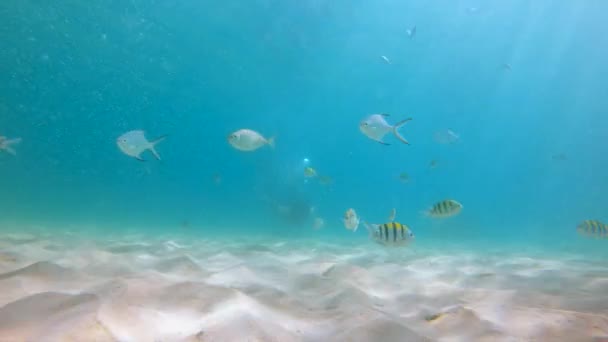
[7, 144]
[310, 172]
[445, 209]
[411, 32]
[388, 61]
[404, 177]
[390, 234]
[248, 140]
[375, 127]
[593, 228]
[351, 221]
[134, 143]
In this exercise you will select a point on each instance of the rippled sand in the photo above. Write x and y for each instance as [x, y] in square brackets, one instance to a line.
[133, 288]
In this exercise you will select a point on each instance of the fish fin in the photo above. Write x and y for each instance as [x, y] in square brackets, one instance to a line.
[8, 143]
[382, 142]
[270, 142]
[153, 144]
[140, 159]
[384, 114]
[396, 130]
[12, 141]
[159, 139]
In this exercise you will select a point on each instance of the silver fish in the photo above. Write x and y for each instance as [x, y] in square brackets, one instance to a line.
[7, 144]
[134, 143]
[375, 127]
[351, 221]
[411, 32]
[248, 140]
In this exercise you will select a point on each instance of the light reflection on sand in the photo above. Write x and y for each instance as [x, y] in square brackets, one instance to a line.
[142, 289]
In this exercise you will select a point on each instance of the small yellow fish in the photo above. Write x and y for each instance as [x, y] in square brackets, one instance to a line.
[445, 209]
[593, 228]
[309, 172]
[351, 221]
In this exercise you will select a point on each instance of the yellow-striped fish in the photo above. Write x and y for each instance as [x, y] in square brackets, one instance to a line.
[390, 234]
[445, 208]
[593, 228]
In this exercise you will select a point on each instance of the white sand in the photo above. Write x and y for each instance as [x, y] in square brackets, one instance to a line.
[75, 288]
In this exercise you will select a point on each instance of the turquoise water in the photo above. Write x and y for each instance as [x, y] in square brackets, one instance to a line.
[75, 75]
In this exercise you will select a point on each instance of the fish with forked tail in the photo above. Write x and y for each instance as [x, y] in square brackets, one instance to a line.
[134, 143]
[375, 127]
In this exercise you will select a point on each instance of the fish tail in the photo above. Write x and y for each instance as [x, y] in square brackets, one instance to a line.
[270, 142]
[153, 144]
[8, 143]
[10, 150]
[396, 130]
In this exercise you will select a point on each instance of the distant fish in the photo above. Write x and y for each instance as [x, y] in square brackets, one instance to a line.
[248, 140]
[444, 209]
[351, 221]
[309, 172]
[472, 10]
[375, 127]
[446, 137]
[390, 234]
[404, 177]
[559, 156]
[433, 164]
[593, 228]
[134, 143]
[7, 144]
[318, 223]
[392, 216]
[325, 180]
[217, 178]
[506, 67]
[411, 32]
[388, 61]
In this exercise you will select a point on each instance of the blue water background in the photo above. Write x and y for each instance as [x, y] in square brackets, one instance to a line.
[74, 75]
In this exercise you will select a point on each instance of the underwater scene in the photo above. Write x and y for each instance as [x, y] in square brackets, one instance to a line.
[311, 170]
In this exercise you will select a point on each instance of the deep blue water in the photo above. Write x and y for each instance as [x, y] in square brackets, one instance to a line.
[74, 75]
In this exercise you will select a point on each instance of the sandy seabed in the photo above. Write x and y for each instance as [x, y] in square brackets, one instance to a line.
[136, 288]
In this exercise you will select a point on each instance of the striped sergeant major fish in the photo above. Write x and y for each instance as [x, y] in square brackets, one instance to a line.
[593, 228]
[445, 208]
[390, 234]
